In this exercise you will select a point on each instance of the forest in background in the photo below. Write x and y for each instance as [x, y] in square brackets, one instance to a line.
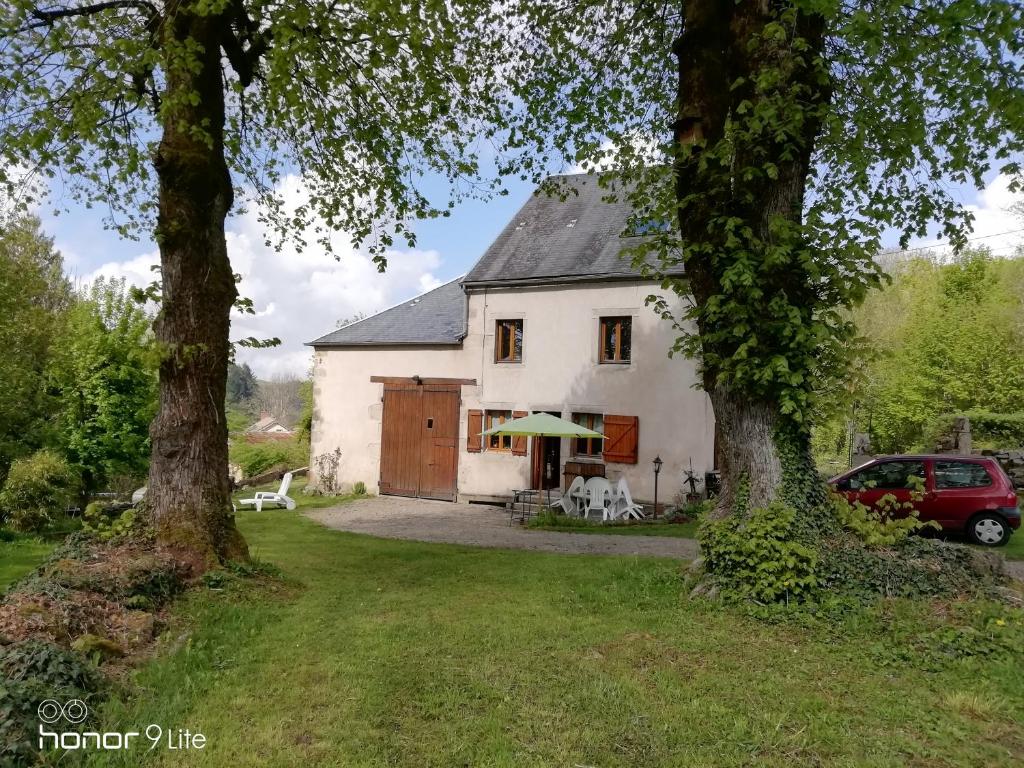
[945, 338]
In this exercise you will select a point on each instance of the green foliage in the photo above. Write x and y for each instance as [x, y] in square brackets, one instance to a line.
[305, 425]
[106, 375]
[756, 556]
[31, 672]
[886, 525]
[241, 385]
[549, 518]
[107, 521]
[997, 430]
[944, 339]
[38, 489]
[33, 293]
[256, 458]
[871, 103]
[914, 568]
[359, 489]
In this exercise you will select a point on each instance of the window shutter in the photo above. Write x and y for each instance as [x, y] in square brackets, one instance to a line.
[518, 441]
[475, 423]
[622, 437]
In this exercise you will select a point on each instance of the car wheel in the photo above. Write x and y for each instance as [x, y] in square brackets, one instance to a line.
[988, 529]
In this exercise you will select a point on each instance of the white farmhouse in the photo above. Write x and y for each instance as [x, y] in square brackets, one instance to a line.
[550, 319]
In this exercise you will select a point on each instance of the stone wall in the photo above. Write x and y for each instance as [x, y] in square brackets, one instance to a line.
[1013, 463]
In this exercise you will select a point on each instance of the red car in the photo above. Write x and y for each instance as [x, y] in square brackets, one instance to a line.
[969, 494]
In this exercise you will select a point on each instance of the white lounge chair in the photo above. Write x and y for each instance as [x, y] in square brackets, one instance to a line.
[599, 497]
[625, 507]
[572, 499]
[279, 499]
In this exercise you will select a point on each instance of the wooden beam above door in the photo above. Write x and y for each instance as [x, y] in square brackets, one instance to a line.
[424, 380]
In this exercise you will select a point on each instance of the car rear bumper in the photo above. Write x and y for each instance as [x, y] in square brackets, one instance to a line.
[1012, 515]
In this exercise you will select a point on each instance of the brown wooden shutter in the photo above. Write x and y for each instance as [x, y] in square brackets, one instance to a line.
[518, 441]
[475, 424]
[622, 437]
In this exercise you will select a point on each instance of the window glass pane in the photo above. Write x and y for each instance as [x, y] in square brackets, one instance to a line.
[626, 330]
[890, 474]
[508, 341]
[960, 474]
[494, 419]
[589, 446]
[616, 339]
[607, 340]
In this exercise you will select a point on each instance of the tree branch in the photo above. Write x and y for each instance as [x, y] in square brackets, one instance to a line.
[45, 18]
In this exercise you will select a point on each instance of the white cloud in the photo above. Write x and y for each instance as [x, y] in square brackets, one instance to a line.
[298, 297]
[995, 225]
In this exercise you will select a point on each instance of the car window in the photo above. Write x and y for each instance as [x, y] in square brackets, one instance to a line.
[960, 474]
[889, 474]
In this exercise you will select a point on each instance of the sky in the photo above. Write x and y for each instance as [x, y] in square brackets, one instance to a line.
[301, 296]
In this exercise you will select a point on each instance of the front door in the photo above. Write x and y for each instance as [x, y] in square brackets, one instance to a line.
[419, 437]
[546, 460]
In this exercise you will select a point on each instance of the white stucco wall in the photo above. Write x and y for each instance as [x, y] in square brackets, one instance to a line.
[559, 372]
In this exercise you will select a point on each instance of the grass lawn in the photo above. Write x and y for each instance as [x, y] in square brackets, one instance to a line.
[680, 530]
[1014, 549]
[392, 653]
[20, 556]
[295, 492]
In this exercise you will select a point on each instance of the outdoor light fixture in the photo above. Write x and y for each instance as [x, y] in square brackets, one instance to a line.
[657, 469]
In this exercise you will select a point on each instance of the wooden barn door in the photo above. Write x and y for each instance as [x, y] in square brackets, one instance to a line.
[439, 437]
[419, 438]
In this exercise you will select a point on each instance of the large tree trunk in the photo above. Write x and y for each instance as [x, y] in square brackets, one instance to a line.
[719, 54]
[189, 491]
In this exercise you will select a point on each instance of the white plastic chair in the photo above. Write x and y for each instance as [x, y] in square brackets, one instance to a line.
[599, 497]
[279, 499]
[625, 507]
[572, 499]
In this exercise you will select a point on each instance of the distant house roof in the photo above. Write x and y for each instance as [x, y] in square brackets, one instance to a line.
[435, 317]
[267, 423]
[579, 238]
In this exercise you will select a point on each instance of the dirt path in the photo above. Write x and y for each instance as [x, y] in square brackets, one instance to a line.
[395, 517]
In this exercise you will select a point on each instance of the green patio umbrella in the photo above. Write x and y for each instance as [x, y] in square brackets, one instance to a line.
[542, 425]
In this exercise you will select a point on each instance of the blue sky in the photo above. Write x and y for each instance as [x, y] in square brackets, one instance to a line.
[299, 297]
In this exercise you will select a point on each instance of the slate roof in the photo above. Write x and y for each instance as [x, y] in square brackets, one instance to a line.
[577, 238]
[435, 317]
[549, 239]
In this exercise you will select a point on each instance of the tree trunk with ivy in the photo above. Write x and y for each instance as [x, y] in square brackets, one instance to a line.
[189, 491]
[726, 53]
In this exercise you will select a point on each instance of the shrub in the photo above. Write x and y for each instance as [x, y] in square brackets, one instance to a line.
[256, 458]
[38, 489]
[886, 526]
[108, 520]
[548, 518]
[756, 555]
[359, 489]
[1004, 430]
[30, 672]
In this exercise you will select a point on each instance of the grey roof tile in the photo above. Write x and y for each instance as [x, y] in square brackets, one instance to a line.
[436, 317]
[580, 237]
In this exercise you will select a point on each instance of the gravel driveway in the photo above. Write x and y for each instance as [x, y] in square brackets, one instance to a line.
[396, 517]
